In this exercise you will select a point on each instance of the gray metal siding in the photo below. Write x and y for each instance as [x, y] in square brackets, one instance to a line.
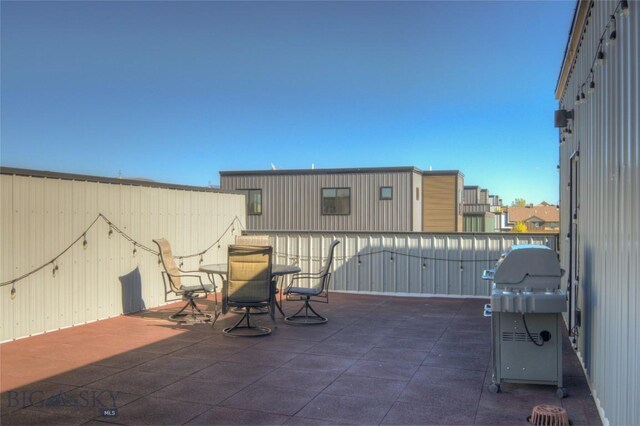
[40, 217]
[294, 201]
[605, 131]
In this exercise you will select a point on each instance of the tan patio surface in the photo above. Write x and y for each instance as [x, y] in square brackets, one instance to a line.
[379, 360]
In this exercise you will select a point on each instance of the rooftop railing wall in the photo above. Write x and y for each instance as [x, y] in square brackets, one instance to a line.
[403, 264]
[73, 248]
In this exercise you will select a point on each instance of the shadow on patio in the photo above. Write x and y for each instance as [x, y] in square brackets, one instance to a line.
[379, 360]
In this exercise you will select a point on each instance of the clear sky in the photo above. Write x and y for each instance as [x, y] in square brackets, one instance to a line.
[178, 91]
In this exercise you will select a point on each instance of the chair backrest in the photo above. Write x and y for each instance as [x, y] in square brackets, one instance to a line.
[169, 263]
[252, 240]
[327, 265]
[249, 274]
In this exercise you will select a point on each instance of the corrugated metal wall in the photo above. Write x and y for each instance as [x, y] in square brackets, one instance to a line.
[605, 133]
[294, 201]
[424, 264]
[40, 217]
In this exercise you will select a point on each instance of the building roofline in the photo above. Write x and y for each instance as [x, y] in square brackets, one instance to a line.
[102, 179]
[443, 173]
[289, 172]
[571, 50]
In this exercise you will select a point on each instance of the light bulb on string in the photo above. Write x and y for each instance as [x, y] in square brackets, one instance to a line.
[613, 33]
[85, 243]
[600, 57]
[13, 290]
[592, 86]
[201, 258]
[624, 8]
[135, 250]
[55, 269]
[159, 260]
[181, 263]
[110, 232]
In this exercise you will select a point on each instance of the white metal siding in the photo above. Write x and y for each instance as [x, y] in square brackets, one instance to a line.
[293, 202]
[40, 217]
[425, 264]
[605, 131]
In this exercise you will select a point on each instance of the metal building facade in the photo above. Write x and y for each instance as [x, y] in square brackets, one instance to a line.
[291, 199]
[598, 92]
[42, 213]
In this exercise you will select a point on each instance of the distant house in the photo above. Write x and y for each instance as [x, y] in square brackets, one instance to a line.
[403, 199]
[481, 212]
[542, 217]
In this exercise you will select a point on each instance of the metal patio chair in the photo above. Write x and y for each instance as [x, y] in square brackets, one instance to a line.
[248, 286]
[173, 276]
[318, 291]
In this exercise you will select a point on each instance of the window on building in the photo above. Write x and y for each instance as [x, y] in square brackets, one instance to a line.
[386, 193]
[254, 201]
[336, 201]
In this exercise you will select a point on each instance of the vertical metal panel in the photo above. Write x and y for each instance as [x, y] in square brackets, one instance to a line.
[41, 216]
[605, 132]
[294, 201]
[413, 264]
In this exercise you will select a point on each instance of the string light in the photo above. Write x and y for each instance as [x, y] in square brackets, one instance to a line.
[613, 33]
[113, 228]
[159, 260]
[13, 290]
[201, 259]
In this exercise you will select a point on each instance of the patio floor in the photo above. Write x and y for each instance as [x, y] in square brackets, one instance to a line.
[379, 360]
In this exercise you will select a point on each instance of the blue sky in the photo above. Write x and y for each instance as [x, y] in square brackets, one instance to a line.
[177, 91]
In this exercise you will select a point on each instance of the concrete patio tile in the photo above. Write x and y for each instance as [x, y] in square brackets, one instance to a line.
[383, 370]
[270, 399]
[403, 413]
[346, 409]
[84, 375]
[138, 383]
[407, 343]
[84, 403]
[127, 359]
[451, 348]
[259, 357]
[192, 389]
[366, 387]
[320, 363]
[451, 376]
[444, 395]
[233, 416]
[27, 395]
[402, 355]
[284, 345]
[306, 421]
[464, 361]
[175, 365]
[463, 337]
[426, 333]
[28, 416]
[292, 378]
[342, 349]
[510, 409]
[157, 411]
[232, 372]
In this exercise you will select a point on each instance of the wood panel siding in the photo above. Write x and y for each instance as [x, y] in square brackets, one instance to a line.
[440, 208]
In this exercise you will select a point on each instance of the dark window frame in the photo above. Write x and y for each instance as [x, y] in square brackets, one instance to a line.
[383, 198]
[322, 198]
[247, 192]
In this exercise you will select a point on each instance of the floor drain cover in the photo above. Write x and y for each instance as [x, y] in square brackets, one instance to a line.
[549, 415]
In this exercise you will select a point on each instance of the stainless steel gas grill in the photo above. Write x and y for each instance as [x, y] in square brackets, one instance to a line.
[526, 307]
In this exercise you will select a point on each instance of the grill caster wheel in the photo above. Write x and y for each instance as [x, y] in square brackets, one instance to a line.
[561, 393]
[494, 388]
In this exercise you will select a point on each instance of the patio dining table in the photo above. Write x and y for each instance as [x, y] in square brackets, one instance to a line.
[278, 270]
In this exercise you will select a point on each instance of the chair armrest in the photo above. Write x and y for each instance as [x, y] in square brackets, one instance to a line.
[199, 277]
